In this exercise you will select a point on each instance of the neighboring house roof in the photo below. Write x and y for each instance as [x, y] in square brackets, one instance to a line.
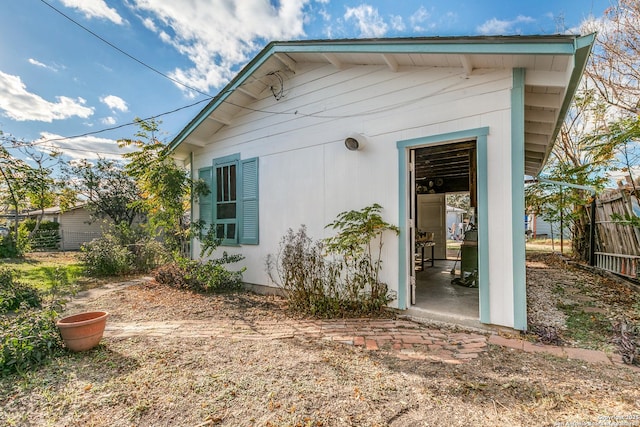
[553, 67]
[55, 210]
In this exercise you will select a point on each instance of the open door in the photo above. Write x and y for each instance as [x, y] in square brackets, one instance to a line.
[412, 226]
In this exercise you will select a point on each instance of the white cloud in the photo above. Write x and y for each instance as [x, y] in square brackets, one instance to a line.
[41, 65]
[501, 27]
[149, 24]
[419, 19]
[368, 20]
[115, 103]
[326, 16]
[397, 23]
[84, 147]
[95, 9]
[108, 120]
[19, 104]
[219, 35]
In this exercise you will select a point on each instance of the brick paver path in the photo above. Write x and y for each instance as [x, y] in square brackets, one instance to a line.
[405, 339]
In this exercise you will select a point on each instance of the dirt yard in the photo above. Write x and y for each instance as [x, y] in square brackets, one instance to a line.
[163, 380]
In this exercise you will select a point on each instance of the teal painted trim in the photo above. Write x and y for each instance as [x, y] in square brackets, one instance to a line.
[443, 47]
[585, 41]
[402, 236]
[231, 158]
[517, 202]
[483, 228]
[191, 174]
[249, 202]
[480, 135]
[443, 137]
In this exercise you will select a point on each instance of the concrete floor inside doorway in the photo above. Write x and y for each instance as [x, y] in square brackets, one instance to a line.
[440, 300]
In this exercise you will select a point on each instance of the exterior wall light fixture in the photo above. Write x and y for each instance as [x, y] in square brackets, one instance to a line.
[354, 141]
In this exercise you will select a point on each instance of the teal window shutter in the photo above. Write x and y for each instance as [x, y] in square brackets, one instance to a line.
[205, 212]
[249, 221]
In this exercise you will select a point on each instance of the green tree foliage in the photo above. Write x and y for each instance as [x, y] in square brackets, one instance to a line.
[598, 136]
[165, 186]
[25, 184]
[109, 190]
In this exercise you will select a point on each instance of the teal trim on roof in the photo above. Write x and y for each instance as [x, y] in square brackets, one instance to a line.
[506, 45]
[476, 48]
[480, 136]
[517, 201]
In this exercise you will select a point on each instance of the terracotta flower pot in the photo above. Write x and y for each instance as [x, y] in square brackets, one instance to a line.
[83, 331]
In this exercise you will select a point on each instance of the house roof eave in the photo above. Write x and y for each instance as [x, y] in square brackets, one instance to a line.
[578, 46]
[583, 47]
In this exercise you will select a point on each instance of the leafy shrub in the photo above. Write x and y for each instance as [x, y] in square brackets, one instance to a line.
[105, 256]
[28, 334]
[202, 276]
[359, 246]
[209, 275]
[213, 276]
[27, 339]
[15, 294]
[122, 250]
[147, 254]
[337, 277]
[8, 247]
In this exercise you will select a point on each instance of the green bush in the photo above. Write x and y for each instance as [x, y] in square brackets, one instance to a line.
[124, 249]
[202, 276]
[147, 254]
[28, 334]
[105, 256]
[339, 276]
[14, 294]
[8, 247]
[27, 339]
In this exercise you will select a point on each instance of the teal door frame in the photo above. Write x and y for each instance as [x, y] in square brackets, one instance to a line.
[404, 146]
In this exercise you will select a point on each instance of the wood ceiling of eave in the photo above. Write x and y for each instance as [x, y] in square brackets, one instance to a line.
[444, 161]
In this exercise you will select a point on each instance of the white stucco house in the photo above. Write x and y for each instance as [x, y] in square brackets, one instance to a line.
[309, 129]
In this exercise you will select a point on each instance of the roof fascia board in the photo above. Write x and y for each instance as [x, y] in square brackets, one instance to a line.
[534, 47]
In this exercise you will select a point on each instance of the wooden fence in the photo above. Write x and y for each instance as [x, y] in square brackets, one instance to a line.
[618, 241]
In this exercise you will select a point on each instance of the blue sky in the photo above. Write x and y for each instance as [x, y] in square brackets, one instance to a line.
[58, 82]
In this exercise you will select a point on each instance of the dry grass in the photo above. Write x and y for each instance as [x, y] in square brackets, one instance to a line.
[164, 381]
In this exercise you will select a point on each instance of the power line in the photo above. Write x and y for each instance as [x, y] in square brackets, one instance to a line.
[62, 138]
[155, 70]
